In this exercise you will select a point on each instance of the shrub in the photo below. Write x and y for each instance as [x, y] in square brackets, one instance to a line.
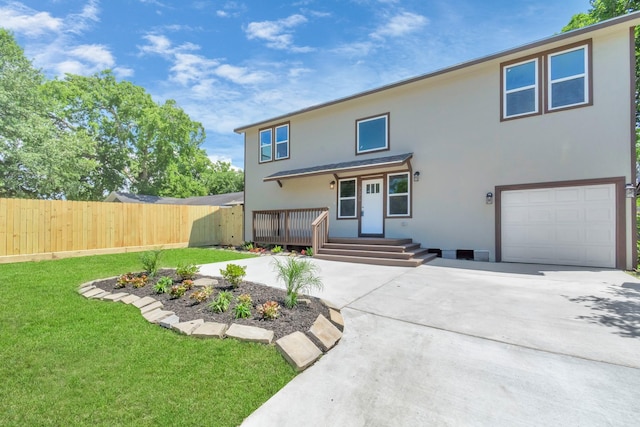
[202, 295]
[187, 284]
[163, 285]
[150, 261]
[221, 303]
[140, 281]
[247, 246]
[177, 291]
[234, 274]
[298, 275]
[309, 251]
[242, 309]
[124, 280]
[270, 310]
[276, 249]
[187, 271]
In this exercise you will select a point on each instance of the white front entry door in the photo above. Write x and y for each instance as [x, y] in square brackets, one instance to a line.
[372, 210]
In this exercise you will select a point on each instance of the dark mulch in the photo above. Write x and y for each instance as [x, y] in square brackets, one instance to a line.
[290, 320]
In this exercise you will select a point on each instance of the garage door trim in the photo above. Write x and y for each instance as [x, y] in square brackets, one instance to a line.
[619, 182]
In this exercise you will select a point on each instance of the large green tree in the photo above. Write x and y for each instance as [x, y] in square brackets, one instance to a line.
[37, 158]
[222, 178]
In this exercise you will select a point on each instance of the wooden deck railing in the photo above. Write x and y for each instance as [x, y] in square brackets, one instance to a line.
[285, 226]
[320, 231]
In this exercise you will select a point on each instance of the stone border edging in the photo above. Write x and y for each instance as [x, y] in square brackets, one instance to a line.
[297, 348]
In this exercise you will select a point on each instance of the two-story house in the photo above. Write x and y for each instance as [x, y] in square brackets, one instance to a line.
[527, 155]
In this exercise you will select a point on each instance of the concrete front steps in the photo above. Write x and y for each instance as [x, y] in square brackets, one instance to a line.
[372, 250]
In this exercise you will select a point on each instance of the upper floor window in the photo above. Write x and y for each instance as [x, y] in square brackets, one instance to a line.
[274, 143]
[563, 82]
[372, 134]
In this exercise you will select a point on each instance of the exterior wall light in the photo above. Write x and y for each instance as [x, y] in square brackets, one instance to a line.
[630, 191]
[416, 176]
[332, 185]
[489, 198]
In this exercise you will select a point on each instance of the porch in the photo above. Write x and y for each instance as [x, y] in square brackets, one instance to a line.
[310, 228]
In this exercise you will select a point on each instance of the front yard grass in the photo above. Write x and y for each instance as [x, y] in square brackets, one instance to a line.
[67, 360]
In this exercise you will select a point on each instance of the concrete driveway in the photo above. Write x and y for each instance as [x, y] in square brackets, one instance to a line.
[468, 343]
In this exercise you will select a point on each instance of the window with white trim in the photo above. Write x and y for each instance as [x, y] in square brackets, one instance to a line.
[274, 143]
[372, 134]
[398, 202]
[568, 78]
[347, 200]
[520, 90]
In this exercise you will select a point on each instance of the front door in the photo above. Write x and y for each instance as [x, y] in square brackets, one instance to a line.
[372, 209]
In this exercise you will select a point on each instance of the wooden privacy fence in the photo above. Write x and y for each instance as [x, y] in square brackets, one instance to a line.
[45, 229]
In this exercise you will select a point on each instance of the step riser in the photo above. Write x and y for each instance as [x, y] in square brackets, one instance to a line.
[370, 241]
[380, 248]
[371, 254]
[374, 261]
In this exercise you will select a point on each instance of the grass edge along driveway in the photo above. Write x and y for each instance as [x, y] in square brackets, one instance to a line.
[67, 360]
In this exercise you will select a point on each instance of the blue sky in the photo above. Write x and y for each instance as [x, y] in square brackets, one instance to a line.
[231, 63]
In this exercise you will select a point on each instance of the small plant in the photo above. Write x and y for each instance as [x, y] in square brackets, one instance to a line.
[202, 295]
[298, 275]
[187, 284]
[308, 251]
[177, 291]
[234, 274]
[247, 246]
[150, 261]
[270, 310]
[140, 281]
[124, 280]
[163, 285]
[276, 249]
[242, 310]
[221, 303]
[187, 271]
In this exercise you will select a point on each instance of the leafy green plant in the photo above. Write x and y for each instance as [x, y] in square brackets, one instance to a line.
[276, 249]
[177, 291]
[247, 246]
[150, 261]
[187, 271]
[202, 295]
[298, 275]
[308, 251]
[221, 303]
[187, 284]
[270, 310]
[242, 310]
[234, 274]
[163, 285]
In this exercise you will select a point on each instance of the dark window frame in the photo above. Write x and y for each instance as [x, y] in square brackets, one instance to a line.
[387, 147]
[273, 145]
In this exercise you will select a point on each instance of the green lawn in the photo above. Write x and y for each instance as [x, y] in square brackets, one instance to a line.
[66, 360]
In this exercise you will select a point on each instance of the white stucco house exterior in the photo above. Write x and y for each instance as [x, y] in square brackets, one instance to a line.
[520, 156]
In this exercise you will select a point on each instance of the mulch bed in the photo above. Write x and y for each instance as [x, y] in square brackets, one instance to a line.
[299, 318]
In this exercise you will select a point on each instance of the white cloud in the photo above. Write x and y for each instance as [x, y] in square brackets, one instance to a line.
[78, 22]
[277, 34]
[400, 25]
[222, 13]
[241, 75]
[23, 20]
[96, 54]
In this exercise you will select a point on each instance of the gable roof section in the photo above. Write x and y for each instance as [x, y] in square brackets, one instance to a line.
[542, 42]
[227, 199]
[355, 165]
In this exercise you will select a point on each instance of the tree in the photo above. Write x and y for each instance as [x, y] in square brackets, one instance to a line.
[37, 159]
[222, 178]
[141, 146]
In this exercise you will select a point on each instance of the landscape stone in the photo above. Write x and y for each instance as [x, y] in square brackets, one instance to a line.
[130, 299]
[92, 292]
[143, 301]
[336, 318]
[325, 332]
[330, 304]
[168, 322]
[187, 328]
[157, 315]
[115, 297]
[150, 307]
[100, 295]
[210, 330]
[203, 282]
[85, 288]
[305, 301]
[250, 333]
[298, 350]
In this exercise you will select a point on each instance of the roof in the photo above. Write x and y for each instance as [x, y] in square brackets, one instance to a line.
[228, 199]
[388, 161]
[542, 42]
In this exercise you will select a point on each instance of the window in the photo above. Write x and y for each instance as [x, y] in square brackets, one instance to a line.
[398, 194]
[347, 198]
[274, 142]
[564, 81]
[521, 89]
[567, 73]
[372, 134]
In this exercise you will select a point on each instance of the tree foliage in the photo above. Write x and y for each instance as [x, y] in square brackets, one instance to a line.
[81, 137]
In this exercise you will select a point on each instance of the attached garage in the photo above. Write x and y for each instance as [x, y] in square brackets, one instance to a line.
[563, 224]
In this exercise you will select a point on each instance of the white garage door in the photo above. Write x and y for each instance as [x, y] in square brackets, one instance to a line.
[563, 225]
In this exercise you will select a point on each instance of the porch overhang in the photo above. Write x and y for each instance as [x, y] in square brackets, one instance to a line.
[343, 167]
